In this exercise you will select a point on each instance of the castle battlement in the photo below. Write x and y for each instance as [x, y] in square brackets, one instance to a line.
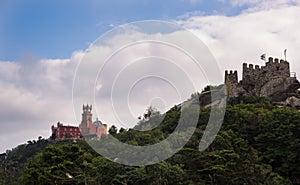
[231, 72]
[276, 60]
[250, 67]
[232, 76]
[261, 80]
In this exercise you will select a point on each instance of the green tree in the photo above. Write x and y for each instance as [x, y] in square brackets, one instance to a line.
[230, 160]
[60, 164]
[113, 130]
[279, 142]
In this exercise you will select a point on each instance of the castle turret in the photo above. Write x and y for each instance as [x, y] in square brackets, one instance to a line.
[231, 82]
[277, 68]
[86, 120]
[231, 76]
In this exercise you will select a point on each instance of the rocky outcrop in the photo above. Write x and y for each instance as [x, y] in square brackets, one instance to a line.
[293, 102]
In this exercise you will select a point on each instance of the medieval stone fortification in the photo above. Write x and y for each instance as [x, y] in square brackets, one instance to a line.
[274, 81]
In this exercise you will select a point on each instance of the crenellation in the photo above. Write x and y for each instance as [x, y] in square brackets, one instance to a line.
[232, 76]
[261, 80]
[270, 59]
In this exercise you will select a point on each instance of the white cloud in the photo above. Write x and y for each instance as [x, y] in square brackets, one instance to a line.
[269, 2]
[133, 63]
[9, 71]
[257, 5]
[245, 37]
[34, 95]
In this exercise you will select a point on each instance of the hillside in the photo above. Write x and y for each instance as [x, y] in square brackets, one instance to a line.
[259, 143]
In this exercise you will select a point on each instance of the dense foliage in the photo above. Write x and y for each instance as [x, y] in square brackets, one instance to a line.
[12, 162]
[259, 143]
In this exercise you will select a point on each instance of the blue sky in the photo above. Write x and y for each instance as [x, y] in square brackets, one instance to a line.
[56, 28]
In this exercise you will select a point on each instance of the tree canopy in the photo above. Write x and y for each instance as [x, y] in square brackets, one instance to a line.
[259, 143]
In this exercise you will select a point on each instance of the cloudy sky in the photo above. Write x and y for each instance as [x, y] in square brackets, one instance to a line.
[43, 42]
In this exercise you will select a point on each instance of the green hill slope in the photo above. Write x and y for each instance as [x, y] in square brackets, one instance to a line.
[259, 143]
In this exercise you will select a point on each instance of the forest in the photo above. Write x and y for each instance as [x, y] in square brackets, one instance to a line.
[259, 143]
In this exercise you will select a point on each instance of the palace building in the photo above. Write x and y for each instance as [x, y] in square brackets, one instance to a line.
[65, 132]
[87, 128]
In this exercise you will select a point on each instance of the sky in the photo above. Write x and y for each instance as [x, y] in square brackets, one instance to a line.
[43, 42]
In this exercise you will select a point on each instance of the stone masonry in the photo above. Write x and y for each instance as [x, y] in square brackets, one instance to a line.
[273, 81]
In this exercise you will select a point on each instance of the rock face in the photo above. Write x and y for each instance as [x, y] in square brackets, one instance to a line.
[293, 101]
[273, 81]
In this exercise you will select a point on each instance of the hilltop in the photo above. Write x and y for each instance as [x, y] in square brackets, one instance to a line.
[259, 143]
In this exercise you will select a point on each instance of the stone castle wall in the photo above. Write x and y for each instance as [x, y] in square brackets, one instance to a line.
[261, 81]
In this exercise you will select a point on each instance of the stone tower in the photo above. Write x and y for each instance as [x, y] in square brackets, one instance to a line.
[231, 81]
[86, 120]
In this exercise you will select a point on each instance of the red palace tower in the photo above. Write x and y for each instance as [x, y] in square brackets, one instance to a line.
[90, 129]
